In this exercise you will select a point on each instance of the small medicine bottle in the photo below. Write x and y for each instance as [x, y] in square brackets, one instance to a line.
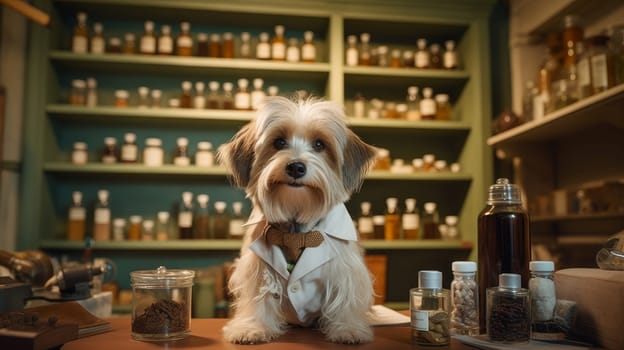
[244, 50]
[508, 310]
[374, 112]
[278, 44]
[237, 230]
[153, 154]
[173, 103]
[147, 42]
[242, 99]
[227, 49]
[114, 45]
[184, 41]
[199, 100]
[102, 217]
[364, 52]
[143, 92]
[602, 62]
[204, 157]
[98, 43]
[228, 97]
[148, 230]
[543, 293]
[435, 54]
[156, 95]
[77, 217]
[109, 156]
[428, 106]
[395, 58]
[449, 59]
[165, 41]
[392, 225]
[452, 231]
[410, 221]
[129, 46]
[119, 229]
[78, 94]
[464, 299]
[379, 223]
[203, 46]
[129, 149]
[431, 220]
[214, 100]
[417, 164]
[308, 49]
[293, 54]
[185, 216]
[359, 106]
[272, 90]
[80, 37]
[429, 310]
[401, 111]
[413, 103]
[263, 47]
[163, 227]
[201, 226]
[443, 107]
[382, 56]
[365, 221]
[221, 221]
[182, 156]
[186, 98]
[92, 94]
[428, 162]
[257, 94]
[408, 59]
[121, 98]
[352, 54]
[79, 153]
[422, 57]
[134, 229]
[215, 45]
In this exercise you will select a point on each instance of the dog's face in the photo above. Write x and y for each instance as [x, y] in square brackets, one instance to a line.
[297, 159]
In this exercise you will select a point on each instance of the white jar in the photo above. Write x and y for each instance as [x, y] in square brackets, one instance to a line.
[79, 153]
[153, 154]
[204, 157]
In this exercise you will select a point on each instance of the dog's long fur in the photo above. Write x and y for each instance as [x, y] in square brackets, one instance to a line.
[312, 132]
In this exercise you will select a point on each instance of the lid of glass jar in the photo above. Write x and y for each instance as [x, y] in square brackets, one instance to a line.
[504, 192]
[541, 266]
[429, 279]
[162, 277]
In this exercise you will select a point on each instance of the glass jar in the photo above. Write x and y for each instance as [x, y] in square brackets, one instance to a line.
[119, 229]
[602, 62]
[422, 56]
[464, 299]
[443, 107]
[161, 304]
[79, 153]
[109, 156]
[204, 157]
[543, 295]
[153, 154]
[431, 220]
[351, 54]
[78, 94]
[508, 316]
[121, 98]
[429, 310]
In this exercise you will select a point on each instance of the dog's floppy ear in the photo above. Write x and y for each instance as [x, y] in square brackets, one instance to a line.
[358, 157]
[238, 155]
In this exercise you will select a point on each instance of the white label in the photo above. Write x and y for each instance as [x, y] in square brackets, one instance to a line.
[256, 98]
[365, 225]
[185, 41]
[599, 71]
[185, 219]
[97, 45]
[263, 51]
[236, 227]
[242, 100]
[204, 158]
[583, 72]
[102, 216]
[77, 214]
[153, 156]
[421, 59]
[183, 161]
[420, 320]
[79, 44]
[308, 52]
[427, 107]
[129, 153]
[148, 44]
[352, 57]
[450, 60]
[79, 157]
[165, 45]
[292, 54]
[278, 51]
[199, 102]
[411, 221]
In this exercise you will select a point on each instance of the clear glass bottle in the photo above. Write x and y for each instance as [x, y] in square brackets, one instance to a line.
[413, 103]
[147, 42]
[122, 98]
[428, 162]
[184, 41]
[204, 157]
[98, 43]
[91, 99]
[263, 47]
[215, 45]
[352, 55]
[237, 231]
[79, 153]
[443, 107]
[165, 41]
[528, 97]
[543, 294]
[395, 58]
[572, 34]
[452, 231]
[365, 222]
[182, 155]
[78, 93]
[435, 53]
[114, 45]
[134, 228]
[148, 233]
[464, 299]
[77, 217]
[203, 45]
[220, 221]
[547, 73]
[293, 54]
[278, 44]
[359, 106]
[185, 216]
[429, 310]
[408, 59]
[382, 56]
[153, 154]
[163, 226]
[379, 223]
[257, 94]
[428, 107]
[364, 51]
[602, 64]
[80, 37]
[228, 97]
[109, 156]
[119, 229]
[308, 49]
[242, 98]
[214, 100]
[227, 47]
[392, 226]
[244, 50]
[410, 220]
[431, 220]
[186, 98]
[102, 217]
[199, 100]
[450, 59]
[583, 69]
[129, 46]
[508, 316]
[156, 96]
[143, 97]
[422, 58]
[201, 226]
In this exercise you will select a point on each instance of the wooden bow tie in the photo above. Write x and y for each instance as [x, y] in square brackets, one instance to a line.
[292, 244]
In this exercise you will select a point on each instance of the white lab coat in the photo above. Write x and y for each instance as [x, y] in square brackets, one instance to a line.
[305, 286]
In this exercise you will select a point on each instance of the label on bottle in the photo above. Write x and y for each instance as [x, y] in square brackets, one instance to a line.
[263, 51]
[148, 44]
[427, 107]
[185, 41]
[365, 225]
[182, 161]
[420, 320]
[292, 54]
[102, 216]
[421, 59]
[79, 44]
[185, 219]
[153, 156]
[199, 102]
[236, 227]
[599, 71]
[582, 70]
[77, 214]
[450, 60]
[411, 221]
[278, 51]
[165, 45]
[308, 52]
[129, 153]
[352, 57]
[79, 157]
[242, 100]
[204, 158]
[97, 45]
[256, 98]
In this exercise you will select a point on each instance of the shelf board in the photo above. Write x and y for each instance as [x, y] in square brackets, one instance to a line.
[577, 217]
[418, 176]
[605, 107]
[406, 72]
[10, 165]
[224, 244]
[409, 124]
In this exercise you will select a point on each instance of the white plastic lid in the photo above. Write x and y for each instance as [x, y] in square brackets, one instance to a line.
[245, 36]
[391, 202]
[273, 90]
[542, 266]
[163, 216]
[379, 220]
[77, 197]
[129, 37]
[308, 35]
[382, 49]
[122, 94]
[430, 279]
[228, 86]
[203, 199]
[417, 163]
[143, 90]
[156, 93]
[82, 17]
[153, 142]
[185, 26]
[412, 90]
[182, 142]
[165, 29]
[119, 222]
[149, 26]
[293, 41]
[227, 36]
[264, 36]
[410, 204]
[114, 41]
[200, 86]
[352, 39]
[435, 48]
[441, 98]
[365, 37]
[237, 207]
[202, 37]
[279, 30]
[78, 83]
[215, 37]
[130, 137]
[187, 85]
[365, 207]
[204, 146]
[103, 195]
[455, 167]
[80, 146]
[427, 92]
[509, 280]
[383, 153]
[450, 45]
[258, 82]
[243, 83]
[91, 83]
[451, 220]
[439, 164]
[136, 219]
[428, 158]
[421, 43]
[401, 107]
[398, 162]
[464, 266]
[148, 225]
[109, 141]
[220, 206]
[430, 207]
[213, 85]
[408, 54]
[187, 197]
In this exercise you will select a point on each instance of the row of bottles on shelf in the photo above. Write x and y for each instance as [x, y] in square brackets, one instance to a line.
[412, 108]
[424, 57]
[153, 153]
[407, 224]
[427, 163]
[193, 221]
[185, 43]
[85, 93]
[574, 67]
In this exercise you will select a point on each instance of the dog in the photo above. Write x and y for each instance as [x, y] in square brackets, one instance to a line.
[300, 263]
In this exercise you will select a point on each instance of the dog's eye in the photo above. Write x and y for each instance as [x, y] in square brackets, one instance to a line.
[279, 143]
[318, 145]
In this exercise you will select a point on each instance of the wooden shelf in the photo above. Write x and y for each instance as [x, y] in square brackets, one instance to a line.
[428, 125]
[577, 217]
[407, 72]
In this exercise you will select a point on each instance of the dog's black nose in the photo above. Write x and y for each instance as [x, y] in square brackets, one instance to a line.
[295, 169]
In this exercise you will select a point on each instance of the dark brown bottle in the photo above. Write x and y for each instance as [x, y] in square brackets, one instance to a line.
[504, 240]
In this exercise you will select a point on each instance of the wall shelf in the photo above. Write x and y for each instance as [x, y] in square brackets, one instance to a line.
[577, 217]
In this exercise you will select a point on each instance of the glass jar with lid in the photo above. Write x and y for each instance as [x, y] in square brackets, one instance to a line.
[161, 304]
[153, 154]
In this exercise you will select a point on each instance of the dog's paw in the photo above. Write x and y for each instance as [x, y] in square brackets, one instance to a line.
[248, 333]
[347, 335]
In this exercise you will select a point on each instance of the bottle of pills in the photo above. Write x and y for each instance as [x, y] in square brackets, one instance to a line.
[153, 154]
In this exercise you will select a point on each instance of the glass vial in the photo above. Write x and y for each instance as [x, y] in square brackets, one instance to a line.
[184, 41]
[431, 220]
[182, 155]
[144, 93]
[543, 294]
[504, 243]
[186, 98]
[263, 48]
[203, 46]
[77, 217]
[134, 229]
[443, 107]
[410, 220]
[79, 153]
[365, 222]
[215, 45]
[392, 222]
[237, 221]
[413, 103]
[109, 156]
[185, 216]
[379, 226]
[428, 107]
[121, 98]
[257, 94]
[278, 44]
[156, 95]
[435, 54]
[80, 37]
[114, 45]
[293, 54]
[165, 41]
[214, 101]
[102, 217]
[227, 49]
[98, 43]
[199, 100]
[273, 90]
[201, 226]
[352, 54]
[119, 229]
[450, 60]
[242, 99]
[364, 52]
[308, 50]
[464, 299]
[508, 311]
[421, 56]
[129, 149]
[129, 46]
[429, 310]
[147, 42]
[452, 231]
[245, 45]
[77, 95]
[227, 101]
[153, 154]
[204, 157]
[395, 58]
[148, 230]
[163, 227]
[221, 221]
[359, 106]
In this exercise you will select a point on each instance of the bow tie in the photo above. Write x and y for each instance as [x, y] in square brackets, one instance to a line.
[292, 243]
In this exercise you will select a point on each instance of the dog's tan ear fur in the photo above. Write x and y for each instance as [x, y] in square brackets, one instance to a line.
[357, 160]
[238, 155]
